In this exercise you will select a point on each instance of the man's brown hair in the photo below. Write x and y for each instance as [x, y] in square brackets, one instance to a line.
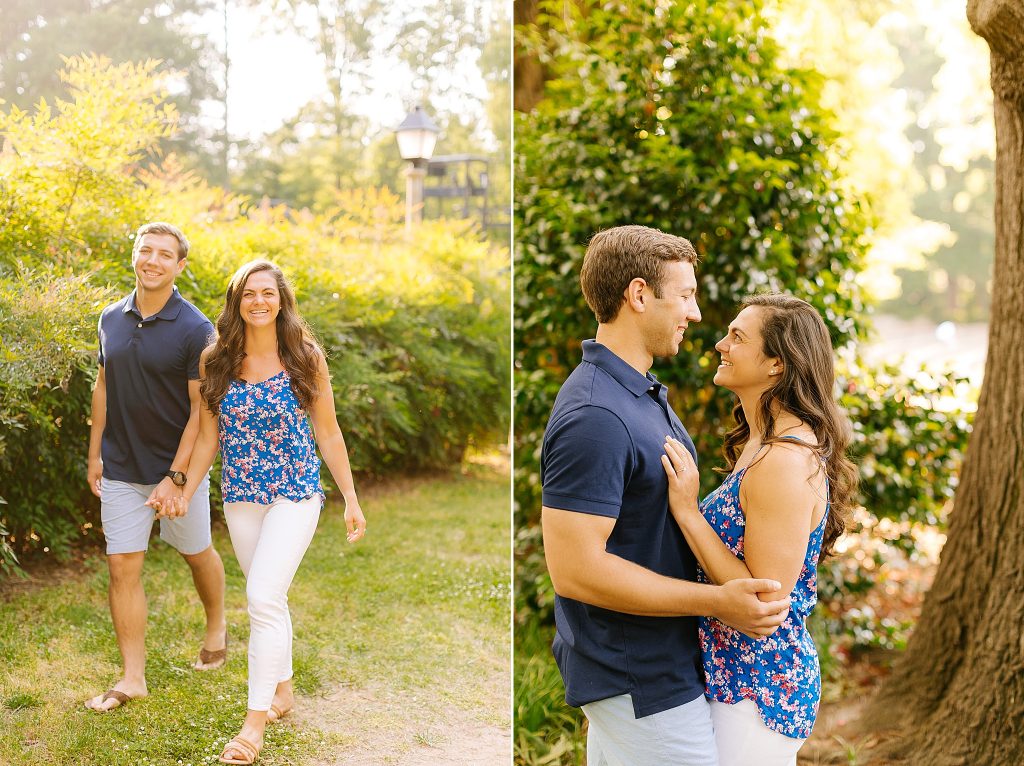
[615, 257]
[159, 227]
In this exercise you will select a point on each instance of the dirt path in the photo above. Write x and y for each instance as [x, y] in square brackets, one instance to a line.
[384, 728]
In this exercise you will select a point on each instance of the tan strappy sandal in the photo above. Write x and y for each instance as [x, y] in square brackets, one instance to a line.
[276, 714]
[246, 751]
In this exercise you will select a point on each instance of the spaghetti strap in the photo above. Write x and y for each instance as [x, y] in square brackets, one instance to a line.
[798, 439]
[755, 456]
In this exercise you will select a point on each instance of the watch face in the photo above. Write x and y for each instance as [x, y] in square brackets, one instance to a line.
[177, 477]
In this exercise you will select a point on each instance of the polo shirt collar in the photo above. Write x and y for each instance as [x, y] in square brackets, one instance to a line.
[600, 356]
[169, 312]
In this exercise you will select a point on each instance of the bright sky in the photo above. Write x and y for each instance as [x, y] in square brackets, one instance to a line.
[273, 73]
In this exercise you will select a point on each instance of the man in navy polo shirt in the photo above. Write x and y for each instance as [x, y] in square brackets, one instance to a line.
[626, 641]
[145, 410]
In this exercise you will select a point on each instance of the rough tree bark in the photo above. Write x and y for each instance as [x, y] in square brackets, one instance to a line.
[958, 692]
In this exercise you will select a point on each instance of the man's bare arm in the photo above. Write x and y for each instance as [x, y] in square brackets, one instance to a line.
[164, 494]
[582, 569]
[188, 436]
[98, 421]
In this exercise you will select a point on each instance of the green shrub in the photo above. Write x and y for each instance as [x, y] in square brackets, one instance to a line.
[679, 116]
[910, 434]
[47, 332]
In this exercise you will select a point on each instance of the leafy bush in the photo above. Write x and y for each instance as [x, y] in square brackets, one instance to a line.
[47, 323]
[416, 329]
[910, 434]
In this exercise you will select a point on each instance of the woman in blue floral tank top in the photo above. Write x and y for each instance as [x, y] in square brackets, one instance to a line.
[268, 405]
[784, 502]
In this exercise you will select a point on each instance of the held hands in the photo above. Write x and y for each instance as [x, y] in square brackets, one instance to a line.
[740, 608]
[683, 479]
[167, 500]
[354, 520]
[95, 475]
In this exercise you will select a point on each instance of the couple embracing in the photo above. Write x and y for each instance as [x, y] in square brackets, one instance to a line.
[680, 625]
[169, 393]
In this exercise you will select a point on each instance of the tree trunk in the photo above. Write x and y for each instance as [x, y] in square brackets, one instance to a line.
[959, 689]
[527, 72]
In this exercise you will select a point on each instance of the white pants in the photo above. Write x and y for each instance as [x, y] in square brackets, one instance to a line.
[680, 736]
[744, 740]
[269, 542]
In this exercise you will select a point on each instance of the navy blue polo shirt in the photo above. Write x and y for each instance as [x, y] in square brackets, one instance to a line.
[147, 363]
[602, 455]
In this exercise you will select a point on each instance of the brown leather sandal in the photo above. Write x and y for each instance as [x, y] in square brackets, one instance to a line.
[217, 656]
[112, 694]
[246, 752]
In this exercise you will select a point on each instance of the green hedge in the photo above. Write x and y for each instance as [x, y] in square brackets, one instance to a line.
[46, 376]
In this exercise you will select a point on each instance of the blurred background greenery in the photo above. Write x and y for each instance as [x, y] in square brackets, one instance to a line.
[838, 151]
[116, 114]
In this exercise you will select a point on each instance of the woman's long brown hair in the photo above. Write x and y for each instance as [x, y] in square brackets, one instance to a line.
[300, 353]
[792, 330]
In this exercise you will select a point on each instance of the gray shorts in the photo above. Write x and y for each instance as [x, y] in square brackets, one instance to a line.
[680, 736]
[128, 521]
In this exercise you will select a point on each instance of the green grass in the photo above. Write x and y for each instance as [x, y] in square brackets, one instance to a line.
[547, 731]
[419, 610]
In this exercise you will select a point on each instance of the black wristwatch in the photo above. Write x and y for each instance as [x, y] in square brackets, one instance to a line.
[177, 477]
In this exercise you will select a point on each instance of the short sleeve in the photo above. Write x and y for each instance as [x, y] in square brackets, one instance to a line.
[198, 340]
[586, 461]
[99, 338]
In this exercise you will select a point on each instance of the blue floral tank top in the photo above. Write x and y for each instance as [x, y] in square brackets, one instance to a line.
[780, 673]
[266, 443]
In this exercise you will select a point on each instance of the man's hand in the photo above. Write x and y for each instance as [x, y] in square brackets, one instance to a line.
[740, 608]
[95, 475]
[165, 499]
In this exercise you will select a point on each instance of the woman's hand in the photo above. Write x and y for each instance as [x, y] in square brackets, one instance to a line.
[354, 520]
[182, 502]
[683, 479]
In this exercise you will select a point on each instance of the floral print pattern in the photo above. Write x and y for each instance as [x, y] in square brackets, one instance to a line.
[780, 673]
[266, 443]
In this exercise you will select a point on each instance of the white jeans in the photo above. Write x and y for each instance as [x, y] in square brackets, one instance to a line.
[744, 740]
[269, 542]
[680, 736]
